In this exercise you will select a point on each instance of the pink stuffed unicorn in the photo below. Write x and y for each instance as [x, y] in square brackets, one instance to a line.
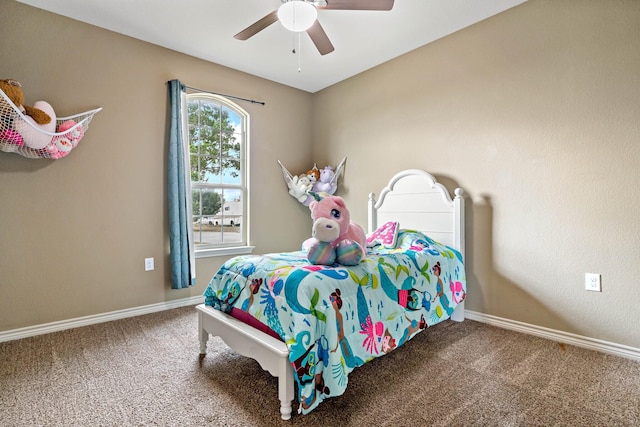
[335, 237]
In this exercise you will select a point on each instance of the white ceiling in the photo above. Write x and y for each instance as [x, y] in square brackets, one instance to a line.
[205, 29]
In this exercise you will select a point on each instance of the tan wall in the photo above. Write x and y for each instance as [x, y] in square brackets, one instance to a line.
[535, 113]
[74, 232]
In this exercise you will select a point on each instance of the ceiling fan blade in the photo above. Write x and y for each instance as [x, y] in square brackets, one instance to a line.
[257, 26]
[320, 38]
[359, 4]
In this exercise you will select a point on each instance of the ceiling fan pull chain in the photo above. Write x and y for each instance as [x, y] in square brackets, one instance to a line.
[299, 55]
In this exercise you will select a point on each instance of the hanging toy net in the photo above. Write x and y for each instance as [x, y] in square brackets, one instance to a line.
[315, 181]
[22, 135]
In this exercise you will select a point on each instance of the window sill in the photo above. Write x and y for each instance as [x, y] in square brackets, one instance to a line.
[213, 252]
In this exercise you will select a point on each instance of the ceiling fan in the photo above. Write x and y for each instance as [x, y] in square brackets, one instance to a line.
[301, 15]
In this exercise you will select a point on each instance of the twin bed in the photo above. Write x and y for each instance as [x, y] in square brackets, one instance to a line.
[311, 325]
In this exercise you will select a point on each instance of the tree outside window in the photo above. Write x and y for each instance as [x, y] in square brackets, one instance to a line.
[217, 130]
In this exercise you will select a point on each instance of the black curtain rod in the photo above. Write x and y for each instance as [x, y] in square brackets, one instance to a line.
[253, 101]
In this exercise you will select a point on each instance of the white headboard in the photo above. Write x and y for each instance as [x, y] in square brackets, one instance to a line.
[417, 201]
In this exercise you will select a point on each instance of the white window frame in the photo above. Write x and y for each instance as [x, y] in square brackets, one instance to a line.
[232, 248]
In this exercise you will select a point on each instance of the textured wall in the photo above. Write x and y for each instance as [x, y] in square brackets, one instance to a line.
[74, 232]
[534, 112]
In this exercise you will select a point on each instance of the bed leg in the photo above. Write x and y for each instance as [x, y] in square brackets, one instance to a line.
[285, 389]
[203, 335]
[458, 313]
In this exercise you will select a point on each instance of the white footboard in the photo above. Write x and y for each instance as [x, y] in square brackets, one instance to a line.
[271, 354]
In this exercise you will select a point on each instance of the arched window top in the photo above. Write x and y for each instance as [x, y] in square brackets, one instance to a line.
[218, 99]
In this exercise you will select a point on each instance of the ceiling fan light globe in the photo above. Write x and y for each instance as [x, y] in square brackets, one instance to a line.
[297, 15]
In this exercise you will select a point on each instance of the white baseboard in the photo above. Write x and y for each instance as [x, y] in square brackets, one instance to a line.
[551, 334]
[30, 331]
[539, 331]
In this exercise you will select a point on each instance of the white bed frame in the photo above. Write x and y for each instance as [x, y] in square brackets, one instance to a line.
[412, 197]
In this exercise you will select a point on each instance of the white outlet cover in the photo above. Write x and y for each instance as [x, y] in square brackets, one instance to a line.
[148, 264]
[592, 282]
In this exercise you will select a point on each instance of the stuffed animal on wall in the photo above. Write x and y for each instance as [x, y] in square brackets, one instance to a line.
[13, 89]
[71, 130]
[299, 186]
[335, 237]
[313, 174]
[326, 183]
[37, 119]
[67, 139]
[11, 137]
[59, 147]
[37, 136]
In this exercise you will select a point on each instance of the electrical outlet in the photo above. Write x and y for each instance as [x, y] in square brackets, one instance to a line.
[592, 282]
[148, 264]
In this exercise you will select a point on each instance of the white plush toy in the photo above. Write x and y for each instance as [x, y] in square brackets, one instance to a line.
[299, 186]
[37, 136]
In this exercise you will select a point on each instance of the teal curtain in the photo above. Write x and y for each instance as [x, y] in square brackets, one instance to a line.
[179, 194]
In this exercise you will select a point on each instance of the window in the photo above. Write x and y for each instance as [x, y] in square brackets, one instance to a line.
[217, 147]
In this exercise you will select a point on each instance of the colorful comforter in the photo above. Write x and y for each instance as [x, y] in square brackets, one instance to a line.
[335, 318]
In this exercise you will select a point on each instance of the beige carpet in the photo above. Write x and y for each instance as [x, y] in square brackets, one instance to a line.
[146, 371]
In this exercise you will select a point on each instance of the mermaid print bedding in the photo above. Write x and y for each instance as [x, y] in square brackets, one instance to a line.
[336, 318]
